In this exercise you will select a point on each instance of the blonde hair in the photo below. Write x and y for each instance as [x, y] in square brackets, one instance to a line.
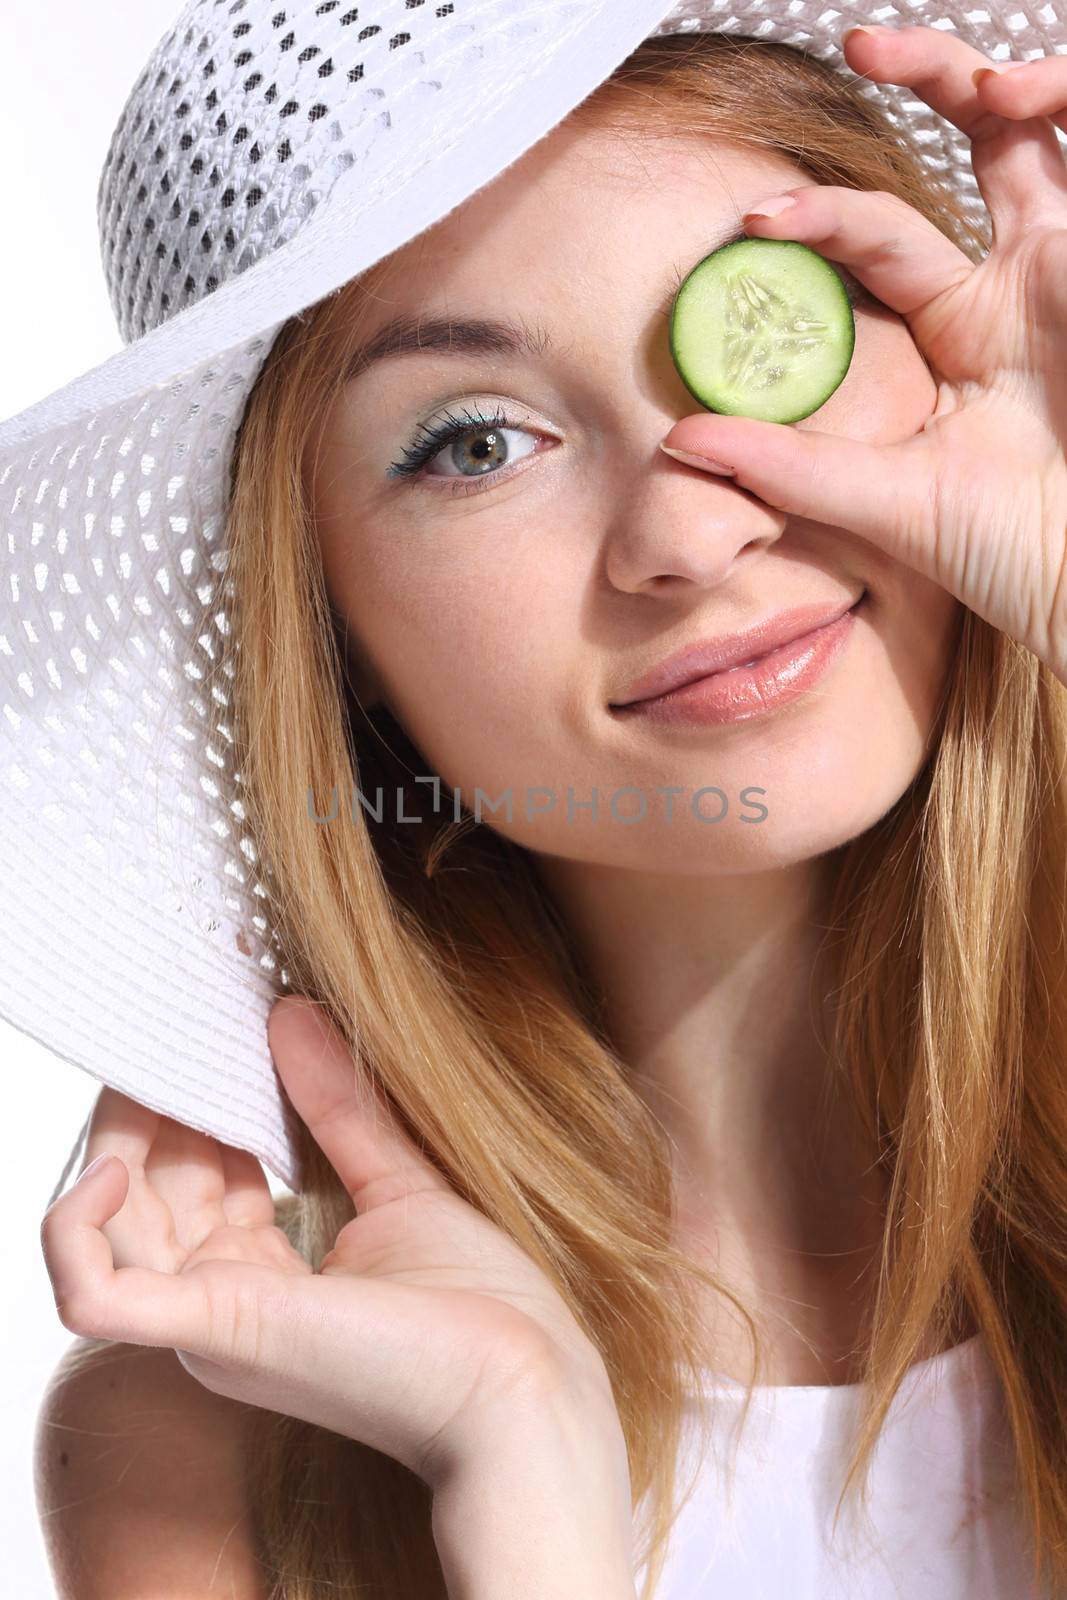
[442, 959]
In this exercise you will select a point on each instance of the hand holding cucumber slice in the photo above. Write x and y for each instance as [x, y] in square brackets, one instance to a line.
[763, 328]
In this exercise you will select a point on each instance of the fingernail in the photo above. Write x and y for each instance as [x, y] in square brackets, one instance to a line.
[1002, 66]
[867, 31]
[706, 463]
[771, 208]
[91, 1168]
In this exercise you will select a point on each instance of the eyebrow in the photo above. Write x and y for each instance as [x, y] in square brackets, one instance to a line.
[408, 334]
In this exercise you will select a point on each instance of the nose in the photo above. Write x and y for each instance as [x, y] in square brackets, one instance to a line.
[680, 525]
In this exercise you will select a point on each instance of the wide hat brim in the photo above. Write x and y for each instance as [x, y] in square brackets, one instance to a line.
[134, 939]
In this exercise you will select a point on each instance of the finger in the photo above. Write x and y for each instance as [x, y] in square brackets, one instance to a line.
[133, 1305]
[122, 1126]
[176, 1182]
[1030, 89]
[1018, 166]
[141, 1232]
[1017, 89]
[184, 1183]
[352, 1125]
[247, 1201]
[903, 259]
[814, 475]
[184, 1169]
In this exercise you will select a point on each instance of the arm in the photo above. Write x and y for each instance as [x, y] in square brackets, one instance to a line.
[138, 1477]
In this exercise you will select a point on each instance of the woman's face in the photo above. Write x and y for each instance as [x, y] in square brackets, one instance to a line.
[501, 609]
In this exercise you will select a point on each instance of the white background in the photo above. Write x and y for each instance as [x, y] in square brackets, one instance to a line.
[68, 68]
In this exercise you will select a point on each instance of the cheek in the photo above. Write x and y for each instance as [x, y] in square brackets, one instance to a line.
[929, 621]
[469, 663]
[915, 624]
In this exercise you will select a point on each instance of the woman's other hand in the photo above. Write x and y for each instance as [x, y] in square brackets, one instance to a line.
[425, 1333]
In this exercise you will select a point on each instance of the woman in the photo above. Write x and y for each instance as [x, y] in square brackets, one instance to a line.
[653, 1097]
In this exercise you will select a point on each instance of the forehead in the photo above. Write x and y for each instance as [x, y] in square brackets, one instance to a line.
[586, 209]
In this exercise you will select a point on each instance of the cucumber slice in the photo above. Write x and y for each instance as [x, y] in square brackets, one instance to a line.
[763, 328]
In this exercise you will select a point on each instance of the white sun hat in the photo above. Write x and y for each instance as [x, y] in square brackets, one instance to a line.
[267, 153]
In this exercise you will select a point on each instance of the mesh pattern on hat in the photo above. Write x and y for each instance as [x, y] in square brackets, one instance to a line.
[110, 592]
[242, 121]
[118, 778]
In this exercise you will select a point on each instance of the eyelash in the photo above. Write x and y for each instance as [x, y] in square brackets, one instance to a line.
[436, 436]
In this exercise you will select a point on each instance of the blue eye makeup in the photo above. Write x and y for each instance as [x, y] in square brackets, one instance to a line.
[482, 429]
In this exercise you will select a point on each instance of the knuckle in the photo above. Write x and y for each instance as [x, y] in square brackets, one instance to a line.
[81, 1313]
[51, 1220]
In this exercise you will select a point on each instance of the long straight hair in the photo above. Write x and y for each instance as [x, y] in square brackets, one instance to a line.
[439, 954]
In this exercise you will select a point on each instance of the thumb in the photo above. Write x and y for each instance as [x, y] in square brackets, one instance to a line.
[349, 1118]
[886, 493]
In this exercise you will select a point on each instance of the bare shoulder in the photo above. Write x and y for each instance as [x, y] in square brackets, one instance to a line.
[139, 1478]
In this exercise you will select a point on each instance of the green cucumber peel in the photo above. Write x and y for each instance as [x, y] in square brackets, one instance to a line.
[763, 328]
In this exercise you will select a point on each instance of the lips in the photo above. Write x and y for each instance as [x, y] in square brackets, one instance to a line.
[732, 650]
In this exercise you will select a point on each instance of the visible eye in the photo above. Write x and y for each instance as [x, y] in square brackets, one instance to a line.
[476, 446]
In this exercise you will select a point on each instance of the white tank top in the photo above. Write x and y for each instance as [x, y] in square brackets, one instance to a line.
[942, 1522]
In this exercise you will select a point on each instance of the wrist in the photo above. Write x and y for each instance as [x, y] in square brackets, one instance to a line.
[542, 1513]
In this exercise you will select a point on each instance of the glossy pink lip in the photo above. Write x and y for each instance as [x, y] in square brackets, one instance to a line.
[731, 650]
[737, 694]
